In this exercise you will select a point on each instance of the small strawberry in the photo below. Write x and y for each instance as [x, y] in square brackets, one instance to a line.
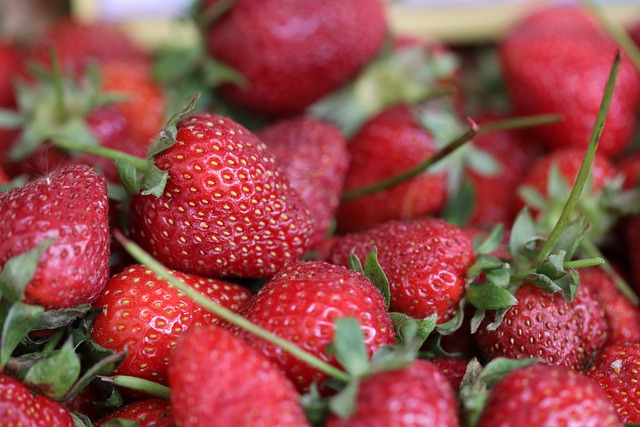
[226, 210]
[425, 260]
[216, 379]
[147, 413]
[18, 407]
[546, 396]
[70, 206]
[144, 314]
[301, 304]
[313, 155]
[616, 371]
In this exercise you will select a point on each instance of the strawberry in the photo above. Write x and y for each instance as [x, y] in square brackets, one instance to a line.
[546, 326]
[557, 61]
[452, 369]
[388, 144]
[227, 209]
[10, 67]
[18, 407]
[70, 206]
[414, 395]
[616, 371]
[301, 303]
[3, 176]
[292, 52]
[147, 413]
[541, 395]
[630, 168]
[146, 315]
[313, 155]
[425, 261]
[218, 380]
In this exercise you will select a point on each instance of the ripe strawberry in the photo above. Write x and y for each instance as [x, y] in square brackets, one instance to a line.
[415, 395]
[541, 395]
[557, 61]
[18, 407]
[10, 67]
[227, 209]
[147, 413]
[313, 155]
[216, 379]
[630, 169]
[390, 143]
[292, 52]
[546, 326]
[146, 315]
[301, 304]
[452, 369]
[425, 260]
[616, 371]
[3, 176]
[69, 205]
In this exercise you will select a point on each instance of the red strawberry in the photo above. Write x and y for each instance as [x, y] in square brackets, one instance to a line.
[630, 168]
[18, 407]
[616, 370]
[301, 304]
[70, 205]
[10, 67]
[415, 395]
[314, 157]
[425, 260]
[216, 379]
[3, 176]
[146, 315]
[147, 413]
[390, 143]
[227, 209]
[293, 52]
[546, 326]
[452, 369]
[557, 61]
[541, 395]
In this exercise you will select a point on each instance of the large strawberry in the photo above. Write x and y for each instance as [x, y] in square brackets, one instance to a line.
[218, 380]
[557, 61]
[69, 206]
[425, 260]
[226, 210]
[147, 413]
[146, 315]
[292, 52]
[301, 304]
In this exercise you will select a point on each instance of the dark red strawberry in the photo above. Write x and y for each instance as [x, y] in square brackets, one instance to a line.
[216, 379]
[452, 369]
[292, 52]
[630, 169]
[301, 304]
[425, 260]
[146, 315]
[18, 407]
[3, 176]
[10, 67]
[557, 61]
[314, 156]
[390, 143]
[69, 205]
[541, 395]
[147, 413]
[227, 209]
[546, 326]
[616, 370]
[414, 395]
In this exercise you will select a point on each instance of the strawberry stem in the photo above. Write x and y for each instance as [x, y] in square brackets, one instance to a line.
[143, 257]
[581, 263]
[139, 384]
[141, 164]
[585, 167]
[56, 74]
[518, 123]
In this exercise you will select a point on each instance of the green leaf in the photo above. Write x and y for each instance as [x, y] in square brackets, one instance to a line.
[492, 242]
[11, 119]
[102, 367]
[216, 73]
[499, 277]
[409, 329]
[522, 233]
[453, 324]
[316, 407]
[349, 347]
[154, 181]
[498, 368]
[482, 162]
[166, 139]
[19, 270]
[19, 320]
[80, 420]
[460, 205]
[557, 187]
[533, 198]
[128, 176]
[476, 320]
[552, 266]
[77, 131]
[115, 399]
[373, 271]
[487, 296]
[344, 403]
[571, 237]
[355, 264]
[54, 319]
[57, 373]
[498, 318]
[28, 141]
[484, 263]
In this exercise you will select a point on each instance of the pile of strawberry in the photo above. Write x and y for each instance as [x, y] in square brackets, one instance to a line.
[347, 227]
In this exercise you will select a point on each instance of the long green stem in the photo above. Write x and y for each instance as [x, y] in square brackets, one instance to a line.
[144, 258]
[56, 73]
[139, 384]
[141, 164]
[585, 167]
[518, 123]
[581, 263]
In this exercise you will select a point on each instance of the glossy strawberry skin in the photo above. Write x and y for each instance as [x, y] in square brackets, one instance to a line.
[146, 315]
[545, 326]
[616, 371]
[227, 209]
[19, 407]
[425, 260]
[218, 380]
[147, 413]
[314, 157]
[415, 395]
[69, 205]
[542, 395]
[390, 143]
[301, 304]
[292, 52]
